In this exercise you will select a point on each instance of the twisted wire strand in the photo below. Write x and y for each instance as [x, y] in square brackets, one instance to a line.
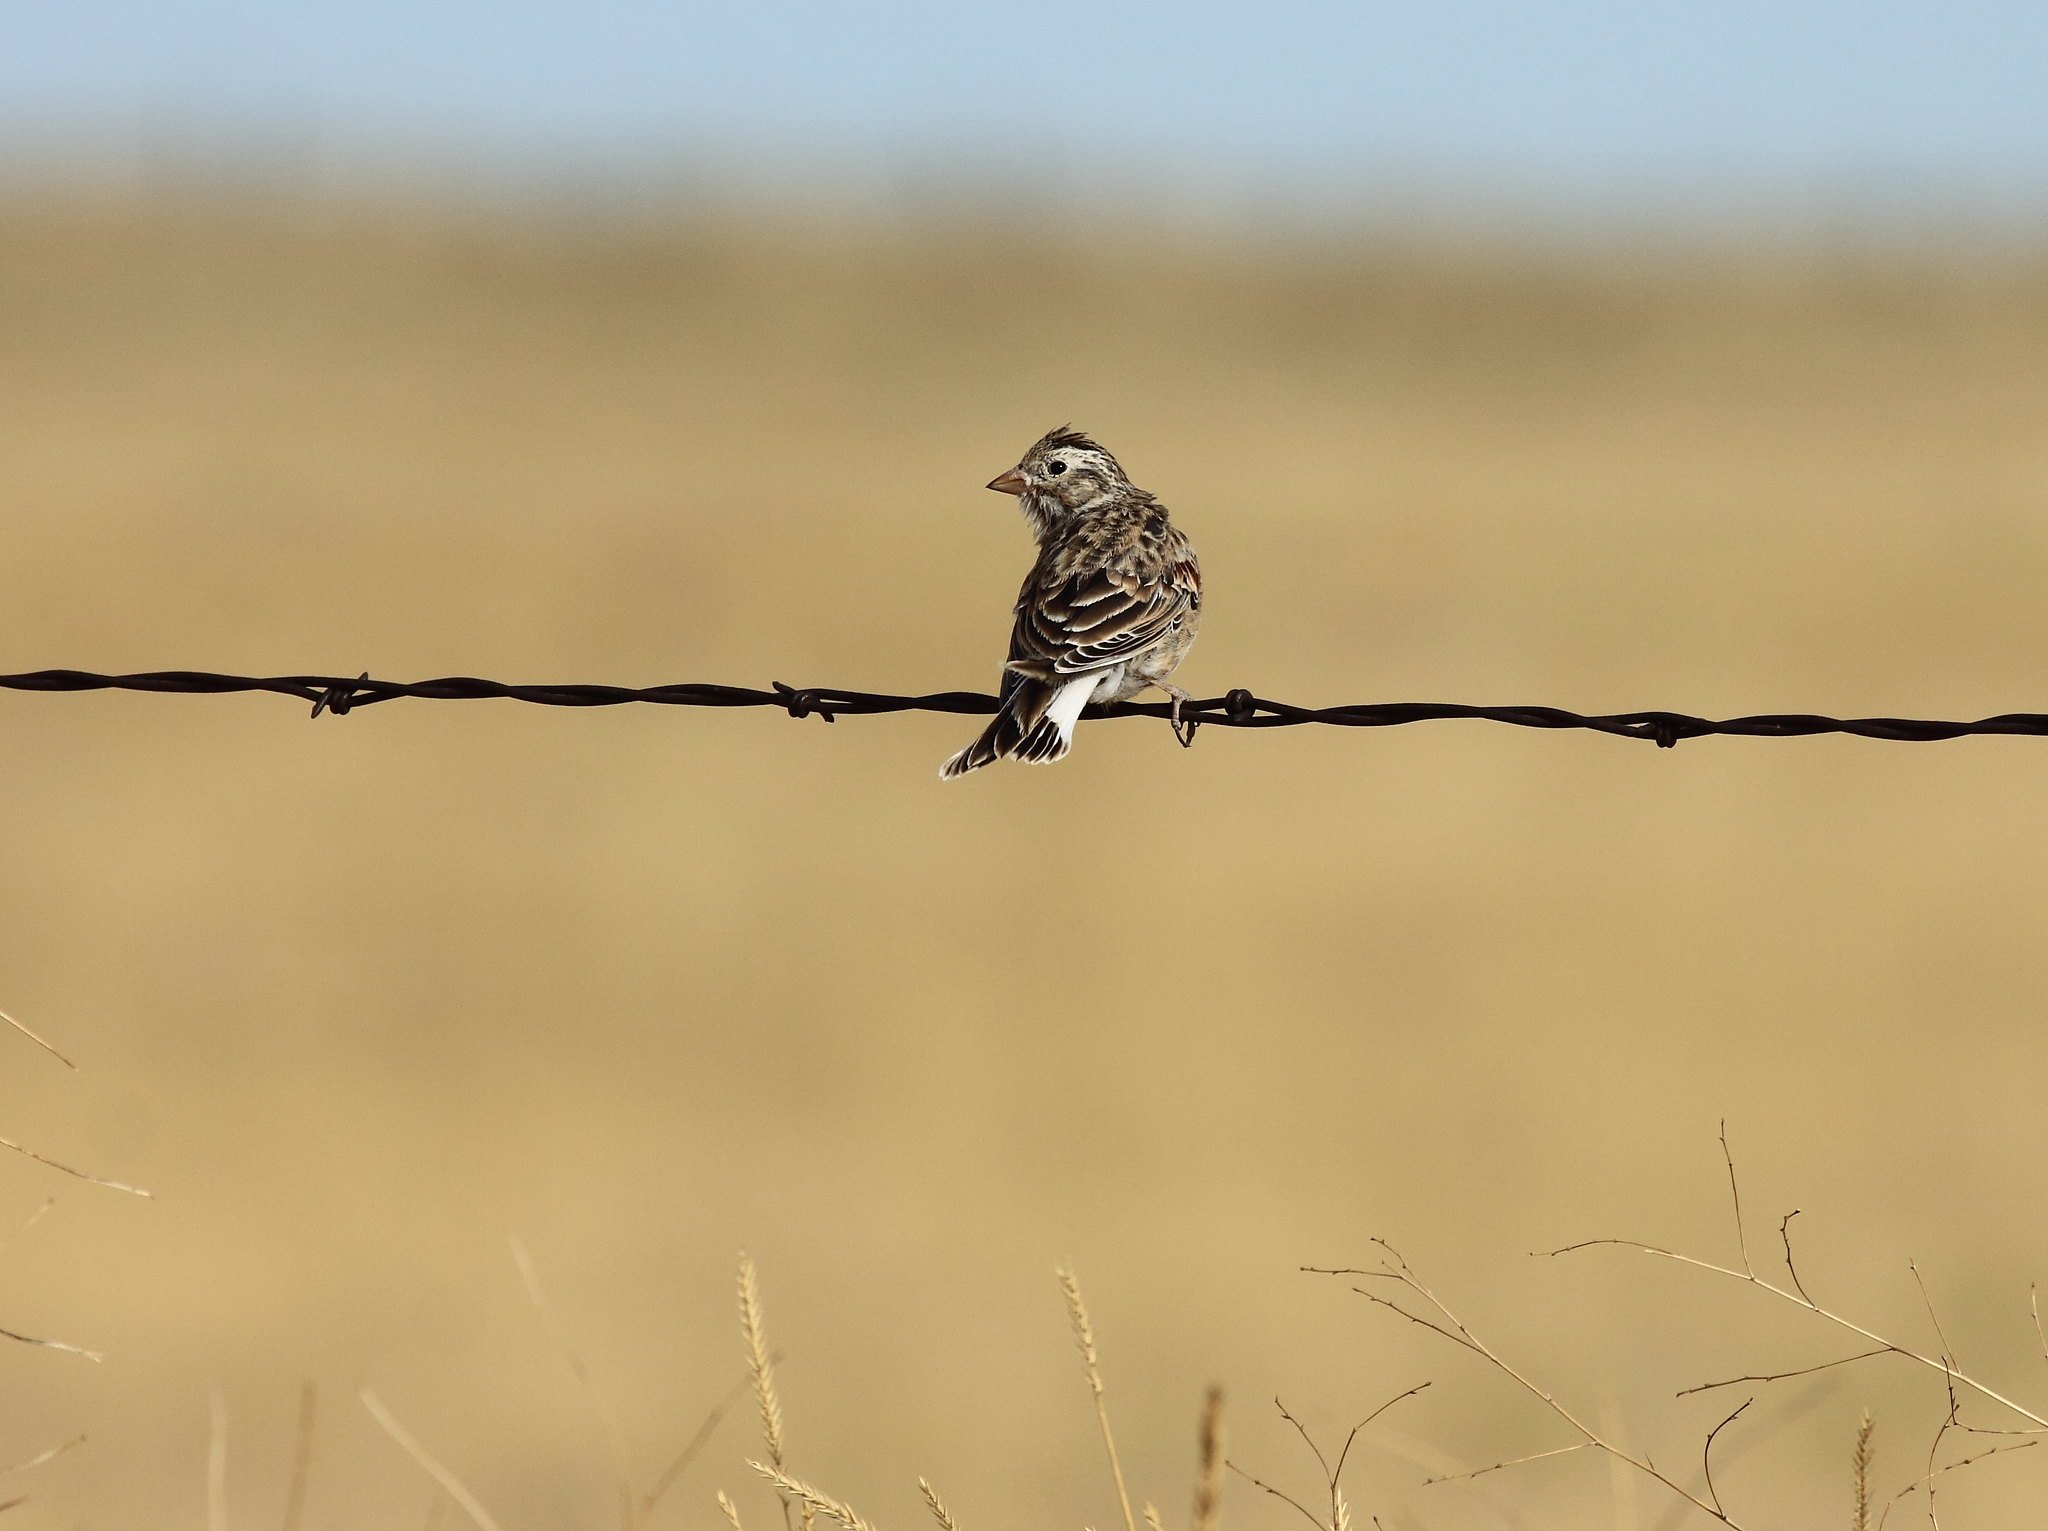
[340, 694]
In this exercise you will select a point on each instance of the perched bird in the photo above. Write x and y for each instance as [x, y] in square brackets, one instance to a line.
[1109, 608]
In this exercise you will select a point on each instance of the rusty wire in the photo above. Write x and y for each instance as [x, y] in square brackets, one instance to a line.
[340, 694]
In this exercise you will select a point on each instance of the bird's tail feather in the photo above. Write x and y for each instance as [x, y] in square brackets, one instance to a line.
[1035, 725]
[1021, 711]
[1044, 744]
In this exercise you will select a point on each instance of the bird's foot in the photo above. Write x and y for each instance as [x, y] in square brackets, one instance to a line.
[1183, 730]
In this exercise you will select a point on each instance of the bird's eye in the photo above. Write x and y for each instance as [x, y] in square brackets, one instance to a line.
[1055, 467]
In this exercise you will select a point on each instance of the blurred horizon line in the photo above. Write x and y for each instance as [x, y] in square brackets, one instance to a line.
[1854, 206]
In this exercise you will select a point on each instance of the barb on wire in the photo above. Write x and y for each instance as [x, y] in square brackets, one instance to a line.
[341, 694]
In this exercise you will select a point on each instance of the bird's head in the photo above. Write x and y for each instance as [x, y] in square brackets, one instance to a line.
[1064, 472]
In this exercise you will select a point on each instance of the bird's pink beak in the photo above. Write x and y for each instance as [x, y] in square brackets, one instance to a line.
[1010, 481]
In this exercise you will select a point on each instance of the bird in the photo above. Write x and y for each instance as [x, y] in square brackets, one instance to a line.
[1109, 608]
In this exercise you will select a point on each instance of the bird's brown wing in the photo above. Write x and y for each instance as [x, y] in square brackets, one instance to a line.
[1091, 618]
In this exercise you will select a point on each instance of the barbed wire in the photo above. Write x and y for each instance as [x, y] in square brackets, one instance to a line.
[340, 694]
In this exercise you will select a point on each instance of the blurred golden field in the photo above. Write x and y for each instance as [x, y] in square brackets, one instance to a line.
[361, 998]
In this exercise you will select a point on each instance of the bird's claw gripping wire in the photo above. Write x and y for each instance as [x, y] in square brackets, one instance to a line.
[1239, 705]
[1183, 728]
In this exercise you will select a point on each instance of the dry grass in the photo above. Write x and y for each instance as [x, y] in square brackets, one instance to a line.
[43, 1208]
[937, 1506]
[451, 1485]
[40, 1042]
[811, 1498]
[1211, 1462]
[41, 1211]
[1208, 1474]
[1084, 1336]
[1860, 1462]
[1417, 1303]
[302, 1457]
[761, 1369]
[1414, 1302]
[634, 1508]
[357, 997]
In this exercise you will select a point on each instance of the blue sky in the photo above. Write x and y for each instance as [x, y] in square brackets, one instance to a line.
[1879, 99]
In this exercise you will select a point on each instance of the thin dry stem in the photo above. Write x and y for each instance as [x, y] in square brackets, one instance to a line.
[1337, 1472]
[450, 1484]
[1948, 1420]
[823, 1503]
[1735, 1194]
[30, 1221]
[48, 1455]
[1281, 1494]
[1785, 1238]
[1859, 1463]
[1306, 1439]
[1803, 1371]
[217, 1463]
[692, 1447]
[937, 1506]
[1707, 1451]
[1084, 1336]
[45, 1046]
[1494, 1467]
[1152, 1517]
[112, 1185]
[614, 1438]
[731, 1514]
[68, 1349]
[1948, 1351]
[1209, 1464]
[302, 1457]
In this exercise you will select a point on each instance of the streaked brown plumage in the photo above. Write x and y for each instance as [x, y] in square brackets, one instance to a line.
[1110, 607]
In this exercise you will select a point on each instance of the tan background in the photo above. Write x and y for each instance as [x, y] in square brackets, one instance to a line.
[360, 998]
